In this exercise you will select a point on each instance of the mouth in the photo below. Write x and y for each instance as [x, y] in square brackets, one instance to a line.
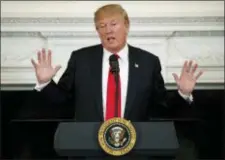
[110, 39]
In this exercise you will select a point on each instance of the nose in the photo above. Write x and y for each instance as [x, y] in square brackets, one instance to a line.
[108, 29]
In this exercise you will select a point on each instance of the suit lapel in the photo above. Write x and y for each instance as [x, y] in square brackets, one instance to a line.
[132, 79]
[96, 77]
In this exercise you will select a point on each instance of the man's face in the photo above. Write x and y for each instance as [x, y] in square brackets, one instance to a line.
[113, 31]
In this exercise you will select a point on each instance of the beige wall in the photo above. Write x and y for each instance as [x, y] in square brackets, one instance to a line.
[135, 8]
[175, 31]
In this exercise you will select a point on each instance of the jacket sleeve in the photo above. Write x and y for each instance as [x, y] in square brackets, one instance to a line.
[62, 91]
[166, 105]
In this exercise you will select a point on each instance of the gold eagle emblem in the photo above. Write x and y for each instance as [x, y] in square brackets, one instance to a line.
[117, 136]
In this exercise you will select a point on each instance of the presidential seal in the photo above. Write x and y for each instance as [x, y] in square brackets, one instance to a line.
[117, 136]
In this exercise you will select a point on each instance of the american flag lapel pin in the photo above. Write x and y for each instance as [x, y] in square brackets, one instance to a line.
[136, 65]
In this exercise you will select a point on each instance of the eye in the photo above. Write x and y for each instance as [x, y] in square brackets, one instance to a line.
[114, 23]
[101, 25]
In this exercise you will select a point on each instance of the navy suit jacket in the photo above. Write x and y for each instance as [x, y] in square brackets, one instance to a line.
[81, 83]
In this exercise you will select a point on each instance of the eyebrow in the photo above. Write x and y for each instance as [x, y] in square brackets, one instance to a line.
[114, 21]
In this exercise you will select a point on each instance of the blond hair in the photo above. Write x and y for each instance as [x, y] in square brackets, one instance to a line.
[109, 10]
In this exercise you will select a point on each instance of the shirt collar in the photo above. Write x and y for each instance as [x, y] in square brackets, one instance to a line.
[123, 53]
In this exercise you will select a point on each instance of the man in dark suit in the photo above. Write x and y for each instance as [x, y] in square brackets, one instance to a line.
[86, 80]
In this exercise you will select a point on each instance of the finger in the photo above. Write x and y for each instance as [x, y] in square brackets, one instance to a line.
[49, 57]
[43, 55]
[175, 77]
[198, 75]
[184, 67]
[194, 69]
[56, 69]
[34, 63]
[189, 66]
[39, 57]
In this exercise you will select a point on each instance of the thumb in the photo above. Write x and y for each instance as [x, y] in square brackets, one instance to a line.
[176, 78]
[56, 69]
[34, 64]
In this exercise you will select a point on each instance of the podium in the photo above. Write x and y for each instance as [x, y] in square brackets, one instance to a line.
[80, 139]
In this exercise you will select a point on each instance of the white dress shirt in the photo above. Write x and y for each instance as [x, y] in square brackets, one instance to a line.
[124, 72]
[123, 64]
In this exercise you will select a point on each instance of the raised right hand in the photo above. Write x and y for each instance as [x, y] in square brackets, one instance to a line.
[43, 69]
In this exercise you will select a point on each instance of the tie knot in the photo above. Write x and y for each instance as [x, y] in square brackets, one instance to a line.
[113, 58]
[117, 56]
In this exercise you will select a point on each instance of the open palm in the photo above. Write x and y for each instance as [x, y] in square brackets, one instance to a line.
[187, 80]
[43, 69]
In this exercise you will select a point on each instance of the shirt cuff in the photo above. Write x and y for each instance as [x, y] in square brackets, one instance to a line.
[187, 98]
[39, 87]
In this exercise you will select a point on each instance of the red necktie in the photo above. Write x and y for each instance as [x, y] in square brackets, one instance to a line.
[111, 96]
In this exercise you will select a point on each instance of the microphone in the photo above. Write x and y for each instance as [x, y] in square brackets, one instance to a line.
[114, 64]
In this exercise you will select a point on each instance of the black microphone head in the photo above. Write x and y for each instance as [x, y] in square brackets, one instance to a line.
[113, 62]
[113, 58]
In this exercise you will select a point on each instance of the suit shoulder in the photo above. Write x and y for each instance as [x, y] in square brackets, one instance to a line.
[86, 50]
[144, 53]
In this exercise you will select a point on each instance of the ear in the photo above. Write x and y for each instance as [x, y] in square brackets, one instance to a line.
[127, 25]
[96, 28]
[127, 30]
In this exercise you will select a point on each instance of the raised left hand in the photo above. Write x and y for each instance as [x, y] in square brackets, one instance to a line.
[187, 80]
